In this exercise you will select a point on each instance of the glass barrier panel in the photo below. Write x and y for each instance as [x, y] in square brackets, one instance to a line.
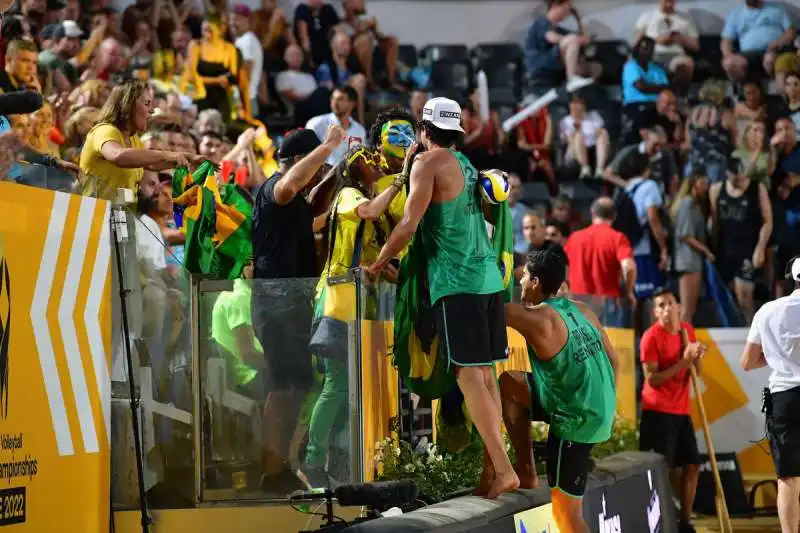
[44, 177]
[275, 388]
[153, 321]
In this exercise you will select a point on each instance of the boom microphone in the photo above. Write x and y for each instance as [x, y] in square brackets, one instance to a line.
[20, 102]
[378, 494]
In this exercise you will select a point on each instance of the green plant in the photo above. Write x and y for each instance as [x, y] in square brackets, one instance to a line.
[438, 473]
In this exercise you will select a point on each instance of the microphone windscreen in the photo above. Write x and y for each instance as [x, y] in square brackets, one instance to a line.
[378, 494]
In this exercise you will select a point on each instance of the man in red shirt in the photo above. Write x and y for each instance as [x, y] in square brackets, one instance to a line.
[665, 426]
[598, 257]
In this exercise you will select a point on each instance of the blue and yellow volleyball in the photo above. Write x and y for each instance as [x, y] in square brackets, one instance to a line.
[493, 185]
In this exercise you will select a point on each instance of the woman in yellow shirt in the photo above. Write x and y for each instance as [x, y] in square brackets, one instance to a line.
[355, 237]
[113, 156]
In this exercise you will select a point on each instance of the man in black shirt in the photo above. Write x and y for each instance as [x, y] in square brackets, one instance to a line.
[314, 22]
[283, 289]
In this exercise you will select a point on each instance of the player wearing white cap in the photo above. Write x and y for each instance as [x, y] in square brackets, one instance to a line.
[464, 281]
[774, 341]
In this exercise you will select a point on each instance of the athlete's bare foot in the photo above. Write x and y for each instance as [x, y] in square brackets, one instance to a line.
[485, 483]
[503, 483]
[528, 479]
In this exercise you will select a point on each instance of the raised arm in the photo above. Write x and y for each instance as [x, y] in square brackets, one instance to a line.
[419, 198]
[298, 177]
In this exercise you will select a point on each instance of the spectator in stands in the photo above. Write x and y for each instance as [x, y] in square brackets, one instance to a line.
[343, 102]
[252, 53]
[483, 136]
[213, 68]
[211, 146]
[342, 69]
[791, 91]
[601, 257]
[649, 201]
[741, 216]
[76, 129]
[417, 102]
[663, 168]
[170, 61]
[369, 43]
[642, 82]
[108, 64]
[787, 228]
[20, 71]
[711, 133]
[31, 12]
[56, 59]
[757, 158]
[784, 141]
[113, 157]
[752, 106]
[533, 229]
[314, 23]
[299, 90]
[753, 36]
[668, 349]
[561, 209]
[557, 232]
[274, 32]
[210, 120]
[675, 37]
[689, 213]
[283, 249]
[535, 140]
[518, 212]
[585, 137]
[551, 50]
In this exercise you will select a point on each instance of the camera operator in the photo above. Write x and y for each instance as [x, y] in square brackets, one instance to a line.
[774, 341]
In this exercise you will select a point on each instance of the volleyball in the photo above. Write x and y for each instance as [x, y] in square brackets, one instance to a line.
[494, 186]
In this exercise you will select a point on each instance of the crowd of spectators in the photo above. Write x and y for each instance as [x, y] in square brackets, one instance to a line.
[706, 152]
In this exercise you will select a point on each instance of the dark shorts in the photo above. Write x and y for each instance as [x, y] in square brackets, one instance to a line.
[473, 328]
[282, 324]
[648, 277]
[783, 431]
[568, 464]
[739, 268]
[670, 435]
[547, 65]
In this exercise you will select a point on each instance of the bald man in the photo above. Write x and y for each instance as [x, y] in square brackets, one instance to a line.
[599, 256]
[108, 63]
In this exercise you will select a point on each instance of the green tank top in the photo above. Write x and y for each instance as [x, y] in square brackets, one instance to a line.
[577, 385]
[460, 256]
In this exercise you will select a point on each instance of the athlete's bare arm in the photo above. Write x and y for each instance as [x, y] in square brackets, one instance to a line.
[607, 346]
[421, 181]
[540, 326]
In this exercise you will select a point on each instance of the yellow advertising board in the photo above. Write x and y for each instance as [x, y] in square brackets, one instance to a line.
[55, 336]
[537, 520]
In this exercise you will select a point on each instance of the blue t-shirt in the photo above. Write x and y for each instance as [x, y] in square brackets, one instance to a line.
[633, 72]
[538, 50]
[646, 196]
[755, 28]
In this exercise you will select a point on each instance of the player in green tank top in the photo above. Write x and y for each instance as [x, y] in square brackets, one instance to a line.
[572, 386]
[444, 210]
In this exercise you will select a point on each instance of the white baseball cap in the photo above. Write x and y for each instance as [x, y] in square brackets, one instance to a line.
[443, 113]
[796, 269]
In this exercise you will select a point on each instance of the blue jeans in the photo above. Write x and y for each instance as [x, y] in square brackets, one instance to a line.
[714, 171]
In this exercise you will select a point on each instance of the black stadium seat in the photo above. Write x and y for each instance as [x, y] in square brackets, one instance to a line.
[499, 73]
[407, 54]
[708, 60]
[447, 74]
[506, 51]
[612, 55]
[452, 52]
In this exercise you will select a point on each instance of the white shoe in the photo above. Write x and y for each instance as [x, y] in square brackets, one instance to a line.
[578, 82]
[586, 173]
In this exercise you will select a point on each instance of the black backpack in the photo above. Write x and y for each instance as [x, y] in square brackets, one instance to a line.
[626, 221]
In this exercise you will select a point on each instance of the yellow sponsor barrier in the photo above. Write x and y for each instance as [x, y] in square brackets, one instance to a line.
[55, 325]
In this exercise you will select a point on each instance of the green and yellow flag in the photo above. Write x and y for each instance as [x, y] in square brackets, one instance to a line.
[218, 224]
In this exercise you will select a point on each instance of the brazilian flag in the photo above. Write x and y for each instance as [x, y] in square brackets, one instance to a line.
[218, 225]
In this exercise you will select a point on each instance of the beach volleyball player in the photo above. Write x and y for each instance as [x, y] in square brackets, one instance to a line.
[465, 283]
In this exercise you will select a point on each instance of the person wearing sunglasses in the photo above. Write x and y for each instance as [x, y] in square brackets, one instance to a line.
[355, 236]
